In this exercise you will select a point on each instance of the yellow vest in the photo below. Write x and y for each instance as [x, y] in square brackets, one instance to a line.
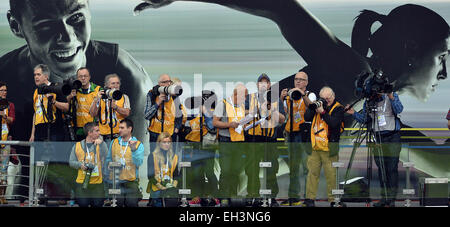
[81, 154]
[184, 112]
[5, 127]
[103, 125]
[164, 169]
[235, 114]
[40, 118]
[319, 131]
[169, 118]
[298, 114]
[128, 173]
[194, 135]
[84, 102]
[257, 129]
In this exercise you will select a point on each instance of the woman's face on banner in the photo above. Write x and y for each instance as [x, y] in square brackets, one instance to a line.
[428, 70]
[57, 33]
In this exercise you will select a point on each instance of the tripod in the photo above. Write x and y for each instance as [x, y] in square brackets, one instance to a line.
[373, 142]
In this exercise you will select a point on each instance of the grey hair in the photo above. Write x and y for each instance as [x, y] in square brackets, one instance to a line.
[325, 88]
[44, 68]
[109, 76]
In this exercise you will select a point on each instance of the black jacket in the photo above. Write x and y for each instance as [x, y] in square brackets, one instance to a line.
[334, 121]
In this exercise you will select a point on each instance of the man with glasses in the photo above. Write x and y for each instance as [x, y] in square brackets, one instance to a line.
[84, 98]
[163, 112]
[297, 129]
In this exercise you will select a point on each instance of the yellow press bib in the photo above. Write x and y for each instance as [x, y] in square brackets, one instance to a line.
[257, 129]
[40, 108]
[169, 118]
[117, 117]
[235, 114]
[319, 131]
[163, 171]
[123, 154]
[299, 109]
[96, 175]
[84, 102]
[5, 129]
[194, 135]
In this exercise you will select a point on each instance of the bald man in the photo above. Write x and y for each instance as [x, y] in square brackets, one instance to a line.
[327, 123]
[226, 119]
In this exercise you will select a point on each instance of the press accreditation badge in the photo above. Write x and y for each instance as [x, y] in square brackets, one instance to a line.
[95, 172]
[297, 117]
[5, 129]
[381, 120]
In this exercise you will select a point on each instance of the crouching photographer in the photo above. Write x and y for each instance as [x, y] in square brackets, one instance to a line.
[87, 157]
[327, 116]
[384, 106]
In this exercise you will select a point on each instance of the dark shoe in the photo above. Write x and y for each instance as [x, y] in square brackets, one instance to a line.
[248, 202]
[257, 202]
[309, 203]
[380, 204]
[274, 203]
[296, 202]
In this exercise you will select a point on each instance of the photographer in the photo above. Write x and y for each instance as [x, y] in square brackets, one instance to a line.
[7, 114]
[164, 182]
[298, 133]
[327, 116]
[388, 125]
[128, 151]
[261, 106]
[47, 118]
[84, 98]
[162, 111]
[88, 157]
[102, 105]
[203, 150]
[227, 116]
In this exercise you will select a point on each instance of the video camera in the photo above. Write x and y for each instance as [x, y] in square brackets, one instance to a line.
[173, 90]
[318, 103]
[371, 84]
[3, 104]
[208, 98]
[64, 88]
[112, 94]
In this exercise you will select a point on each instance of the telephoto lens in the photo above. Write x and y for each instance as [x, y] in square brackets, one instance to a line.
[87, 178]
[295, 94]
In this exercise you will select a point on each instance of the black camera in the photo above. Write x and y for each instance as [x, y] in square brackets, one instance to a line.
[318, 103]
[64, 88]
[90, 167]
[208, 99]
[173, 90]
[3, 104]
[295, 94]
[112, 94]
[371, 84]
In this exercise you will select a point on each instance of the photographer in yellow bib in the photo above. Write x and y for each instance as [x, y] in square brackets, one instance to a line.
[327, 116]
[129, 152]
[88, 157]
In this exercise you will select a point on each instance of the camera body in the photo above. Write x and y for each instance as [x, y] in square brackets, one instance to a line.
[208, 99]
[371, 84]
[64, 88]
[90, 167]
[112, 94]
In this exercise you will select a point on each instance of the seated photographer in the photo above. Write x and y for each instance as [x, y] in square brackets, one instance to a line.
[227, 116]
[162, 111]
[264, 137]
[129, 152]
[88, 157]
[388, 125]
[163, 184]
[85, 96]
[47, 109]
[100, 108]
[327, 116]
[203, 151]
[298, 133]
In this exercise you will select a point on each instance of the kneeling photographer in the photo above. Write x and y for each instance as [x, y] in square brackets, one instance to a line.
[384, 106]
[88, 157]
[327, 116]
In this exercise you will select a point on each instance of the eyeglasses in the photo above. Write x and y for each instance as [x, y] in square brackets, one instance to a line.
[300, 79]
[165, 81]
